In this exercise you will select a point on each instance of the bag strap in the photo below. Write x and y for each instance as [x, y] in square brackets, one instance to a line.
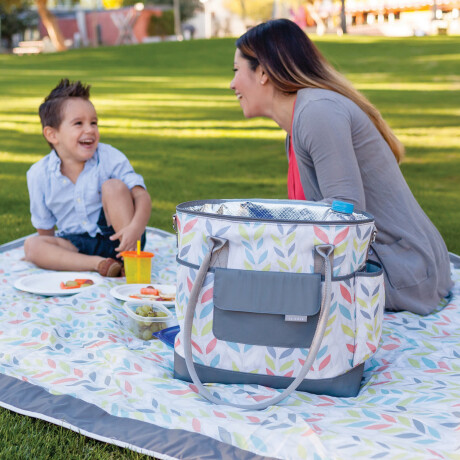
[216, 243]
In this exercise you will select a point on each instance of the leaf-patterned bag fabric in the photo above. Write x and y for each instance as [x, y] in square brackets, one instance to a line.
[271, 286]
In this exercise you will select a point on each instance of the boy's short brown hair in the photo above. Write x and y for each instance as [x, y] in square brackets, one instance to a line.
[50, 110]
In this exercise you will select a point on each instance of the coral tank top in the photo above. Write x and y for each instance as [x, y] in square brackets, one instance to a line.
[295, 189]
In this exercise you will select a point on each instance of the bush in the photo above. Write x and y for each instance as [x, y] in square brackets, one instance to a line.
[162, 25]
[15, 19]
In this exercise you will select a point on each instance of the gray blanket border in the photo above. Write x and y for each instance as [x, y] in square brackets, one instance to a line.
[455, 259]
[89, 420]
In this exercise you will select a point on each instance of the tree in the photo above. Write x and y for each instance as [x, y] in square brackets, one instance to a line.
[112, 4]
[14, 19]
[51, 25]
[48, 19]
[263, 10]
[343, 18]
[256, 10]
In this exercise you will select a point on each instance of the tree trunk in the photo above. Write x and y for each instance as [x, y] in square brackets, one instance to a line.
[312, 10]
[51, 25]
[243, 9]
[343, 18]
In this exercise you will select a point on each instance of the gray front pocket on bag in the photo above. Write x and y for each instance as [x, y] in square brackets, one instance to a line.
[266, 308]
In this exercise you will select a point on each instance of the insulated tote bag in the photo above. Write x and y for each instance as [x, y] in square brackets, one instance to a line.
[269, 291]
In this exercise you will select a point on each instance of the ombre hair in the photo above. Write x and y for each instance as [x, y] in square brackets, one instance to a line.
[293, 62]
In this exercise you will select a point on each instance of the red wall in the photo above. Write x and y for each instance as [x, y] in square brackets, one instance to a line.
[109, 30]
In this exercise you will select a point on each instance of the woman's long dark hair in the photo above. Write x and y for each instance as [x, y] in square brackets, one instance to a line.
[293, 62]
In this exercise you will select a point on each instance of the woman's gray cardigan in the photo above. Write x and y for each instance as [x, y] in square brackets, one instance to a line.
[341, 155]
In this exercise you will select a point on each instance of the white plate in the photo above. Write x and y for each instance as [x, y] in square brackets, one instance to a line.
[124, 291]
[49, 283]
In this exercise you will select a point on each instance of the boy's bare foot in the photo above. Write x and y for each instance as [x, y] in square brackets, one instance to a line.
[109, 267]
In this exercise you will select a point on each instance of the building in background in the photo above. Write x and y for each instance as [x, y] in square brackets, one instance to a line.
[96, 27]
[385, 17]
[405, 17]
[97, 22]
[215, 20]
[373, 17]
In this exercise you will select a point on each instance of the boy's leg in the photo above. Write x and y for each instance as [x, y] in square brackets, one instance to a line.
[118, 210]
[117, 203]
[54, 253]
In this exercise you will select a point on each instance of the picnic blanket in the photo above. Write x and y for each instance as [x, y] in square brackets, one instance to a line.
[70, 361]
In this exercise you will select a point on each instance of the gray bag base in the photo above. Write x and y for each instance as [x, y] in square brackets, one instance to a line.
[346, 385]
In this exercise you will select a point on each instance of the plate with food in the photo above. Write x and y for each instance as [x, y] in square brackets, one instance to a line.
[164, 293]
[56, 283]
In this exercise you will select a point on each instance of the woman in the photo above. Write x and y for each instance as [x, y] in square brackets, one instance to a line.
[339, 147]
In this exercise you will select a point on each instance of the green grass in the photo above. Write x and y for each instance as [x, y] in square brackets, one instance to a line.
[24, 438]
[169, 108]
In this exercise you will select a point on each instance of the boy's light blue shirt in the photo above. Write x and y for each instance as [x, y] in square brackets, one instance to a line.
[74, 208]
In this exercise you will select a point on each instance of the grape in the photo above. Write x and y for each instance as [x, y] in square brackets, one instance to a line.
[148, 311]
[146, 335]
[145, 329]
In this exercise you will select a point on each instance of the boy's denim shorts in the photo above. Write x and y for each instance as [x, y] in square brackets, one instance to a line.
[98, 245]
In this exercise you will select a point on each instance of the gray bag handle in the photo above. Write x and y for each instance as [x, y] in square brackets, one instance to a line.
[324, 251]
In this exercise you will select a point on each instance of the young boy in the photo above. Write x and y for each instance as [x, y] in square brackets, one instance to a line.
[87, 189]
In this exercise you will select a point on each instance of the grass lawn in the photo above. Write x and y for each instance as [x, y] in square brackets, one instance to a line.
[169, 108]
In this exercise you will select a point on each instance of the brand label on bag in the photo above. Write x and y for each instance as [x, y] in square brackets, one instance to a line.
[296, 318]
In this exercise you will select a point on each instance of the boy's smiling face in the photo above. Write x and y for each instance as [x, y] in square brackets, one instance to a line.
[77, 137]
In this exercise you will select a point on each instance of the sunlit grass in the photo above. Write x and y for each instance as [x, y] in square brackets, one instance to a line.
[448, 86]
[165, 129]
[169, 108]
[434, 58]
[17, 158]
[163, 97]
[20, 104]
[139, 102]
[436, 138]
[196, 133]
